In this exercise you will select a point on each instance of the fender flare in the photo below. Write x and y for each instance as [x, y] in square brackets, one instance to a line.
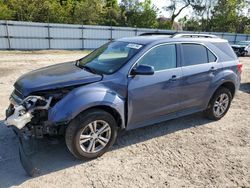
[217, 87]
[82, 99]
[225, 76]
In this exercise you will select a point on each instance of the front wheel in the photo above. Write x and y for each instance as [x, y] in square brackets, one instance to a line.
[219, 104]
[91, 134]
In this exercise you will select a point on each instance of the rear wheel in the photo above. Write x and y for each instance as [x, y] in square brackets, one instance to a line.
[219, 104]
[91, 134]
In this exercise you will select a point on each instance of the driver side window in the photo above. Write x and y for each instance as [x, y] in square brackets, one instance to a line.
[161, 58]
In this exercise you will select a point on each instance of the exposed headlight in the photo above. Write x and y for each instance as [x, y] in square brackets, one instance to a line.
[31, 101]
[23, 112]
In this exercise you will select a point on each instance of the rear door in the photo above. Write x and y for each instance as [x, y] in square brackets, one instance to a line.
[199, 67]
[151, 97]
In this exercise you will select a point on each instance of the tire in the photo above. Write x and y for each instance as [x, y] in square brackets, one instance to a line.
[215, 105]
[86, 143]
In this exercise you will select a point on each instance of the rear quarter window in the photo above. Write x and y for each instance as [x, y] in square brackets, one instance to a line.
[227, 49]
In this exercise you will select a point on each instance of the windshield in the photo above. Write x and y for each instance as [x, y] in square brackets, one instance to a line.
[110, 57]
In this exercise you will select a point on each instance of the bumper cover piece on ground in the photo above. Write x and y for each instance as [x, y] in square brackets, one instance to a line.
[25, 161]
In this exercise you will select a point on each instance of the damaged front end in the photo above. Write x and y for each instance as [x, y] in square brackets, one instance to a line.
[19, 115]
[29, 119]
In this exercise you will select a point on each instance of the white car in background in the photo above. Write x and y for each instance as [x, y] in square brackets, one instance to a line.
[242, 48]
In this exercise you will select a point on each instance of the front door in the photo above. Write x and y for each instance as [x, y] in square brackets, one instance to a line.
[152, 97]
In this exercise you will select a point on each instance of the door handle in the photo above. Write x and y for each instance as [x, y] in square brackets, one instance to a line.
[174, 78]
[212, 68]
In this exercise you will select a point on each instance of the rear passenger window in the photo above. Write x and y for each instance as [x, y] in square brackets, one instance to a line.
[194, 54]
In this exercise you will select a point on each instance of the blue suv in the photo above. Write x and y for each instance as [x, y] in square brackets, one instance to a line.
[125, 84]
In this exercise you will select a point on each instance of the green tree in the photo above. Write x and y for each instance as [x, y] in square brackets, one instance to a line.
[226, 15]
[148, 15]
[36, 10]
[208, 15]
[112, 13]
[130, 10]
[164, 23]
[89, 12]
[5, 12]
[139, 14]
[191, 24]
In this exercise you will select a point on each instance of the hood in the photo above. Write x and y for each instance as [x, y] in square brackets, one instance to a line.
[54, 77]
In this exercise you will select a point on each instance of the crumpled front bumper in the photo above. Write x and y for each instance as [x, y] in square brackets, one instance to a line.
[17, 117]
[24, 159]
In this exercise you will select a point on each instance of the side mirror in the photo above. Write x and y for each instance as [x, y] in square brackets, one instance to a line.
[143, 70]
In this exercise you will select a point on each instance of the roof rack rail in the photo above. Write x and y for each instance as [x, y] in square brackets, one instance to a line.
[158, 33]
[180, 35]
[193, 35]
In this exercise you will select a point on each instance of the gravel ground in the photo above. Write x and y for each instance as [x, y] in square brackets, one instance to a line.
[186, 152]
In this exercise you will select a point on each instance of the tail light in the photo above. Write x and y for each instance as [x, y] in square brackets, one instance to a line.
[239, 68]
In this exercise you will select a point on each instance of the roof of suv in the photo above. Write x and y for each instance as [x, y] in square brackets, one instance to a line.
[161, 38]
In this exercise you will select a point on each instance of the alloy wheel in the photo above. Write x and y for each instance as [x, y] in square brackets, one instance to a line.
[95, 136]
[221, 104]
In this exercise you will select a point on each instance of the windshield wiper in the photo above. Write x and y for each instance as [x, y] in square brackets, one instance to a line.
[89, 69]
[78, 63]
